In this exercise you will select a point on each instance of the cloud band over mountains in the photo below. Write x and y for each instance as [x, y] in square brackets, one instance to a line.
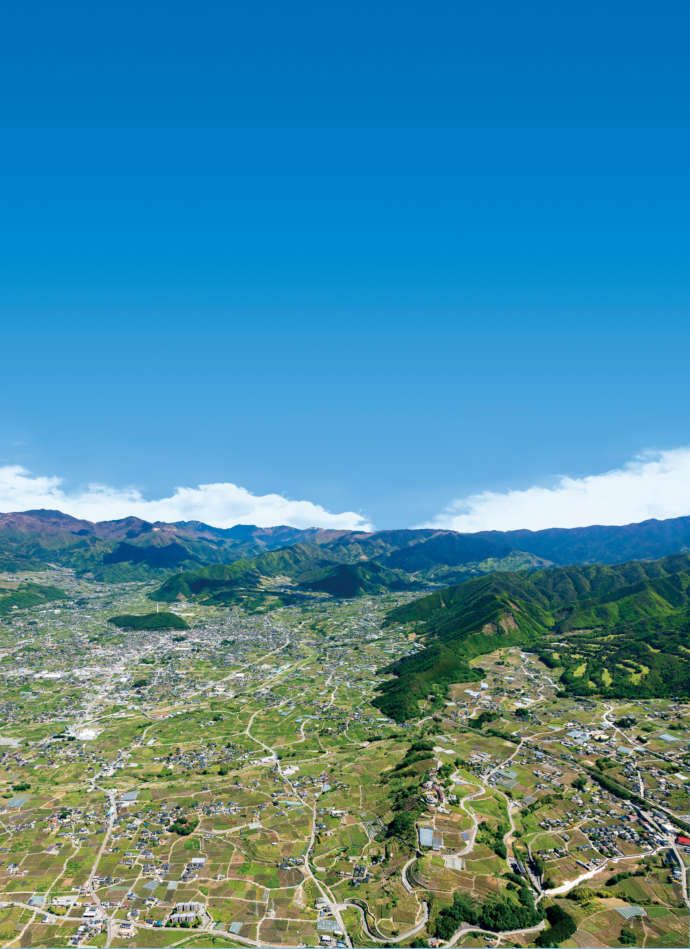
[654, 484]
[222, 504]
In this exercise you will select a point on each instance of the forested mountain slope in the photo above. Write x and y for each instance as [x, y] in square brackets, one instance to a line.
[617, 630]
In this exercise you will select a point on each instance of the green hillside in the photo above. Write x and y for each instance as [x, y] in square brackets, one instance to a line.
[340, 569]
[610, 630]
[26, 595]
[347, 580]
[280, 577]
[265, 581]
[209, 584]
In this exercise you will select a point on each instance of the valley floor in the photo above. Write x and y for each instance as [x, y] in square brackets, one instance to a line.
[233, 785]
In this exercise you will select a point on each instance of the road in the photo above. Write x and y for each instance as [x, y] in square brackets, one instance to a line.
[111, 794]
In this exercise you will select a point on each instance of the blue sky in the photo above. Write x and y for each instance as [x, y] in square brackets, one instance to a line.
[378, 260]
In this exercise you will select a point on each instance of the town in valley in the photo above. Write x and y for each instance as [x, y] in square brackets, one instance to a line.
[223, 778]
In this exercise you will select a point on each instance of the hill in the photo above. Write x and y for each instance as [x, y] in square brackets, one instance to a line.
[221, 584]
[280, 577]
[610, 630]
[148, 621]
[347, 580]
[27, 594]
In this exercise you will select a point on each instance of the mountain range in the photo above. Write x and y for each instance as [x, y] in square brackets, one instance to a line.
[31, 538]
[354, 564]
[130, 547]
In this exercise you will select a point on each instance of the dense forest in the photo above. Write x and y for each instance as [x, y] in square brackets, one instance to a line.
[148, 621]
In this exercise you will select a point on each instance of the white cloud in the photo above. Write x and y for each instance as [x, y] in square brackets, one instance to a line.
[222, 504]
[654, 484]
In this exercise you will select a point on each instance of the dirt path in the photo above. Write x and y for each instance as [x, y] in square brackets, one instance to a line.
[389, 940]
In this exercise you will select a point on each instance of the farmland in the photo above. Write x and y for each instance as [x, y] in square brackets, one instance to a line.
[225, 780]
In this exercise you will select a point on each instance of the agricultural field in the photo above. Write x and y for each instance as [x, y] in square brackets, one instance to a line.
[222, 778]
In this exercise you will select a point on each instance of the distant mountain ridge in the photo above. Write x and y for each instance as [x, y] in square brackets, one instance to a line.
[404, 560]
[131, 547]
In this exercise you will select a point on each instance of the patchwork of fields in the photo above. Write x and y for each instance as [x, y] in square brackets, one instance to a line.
[225, 780]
